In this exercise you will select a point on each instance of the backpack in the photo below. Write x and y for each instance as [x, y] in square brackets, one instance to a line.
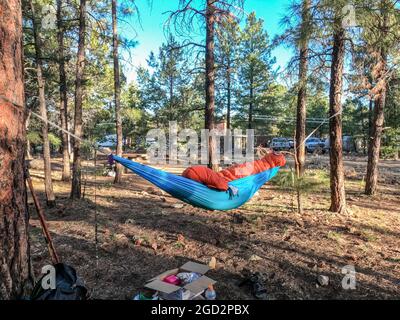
[68, 286]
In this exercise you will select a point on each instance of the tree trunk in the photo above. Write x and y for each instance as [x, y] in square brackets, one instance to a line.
[371, 180]
[250, 124]
[364, 126]
[117, 92]
[375, 144]
[171, 98]
[80, 67]
[28, 144]
[228, 93]
[338, 195]
[16, 277]
[301, 111]
[66, 173]
[210, 81]
[302, 93]
[43, 111]
[370, 113]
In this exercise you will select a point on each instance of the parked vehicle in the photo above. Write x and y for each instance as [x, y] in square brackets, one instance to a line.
[280, 144]
[291, 143]
[313, 144]
[108, 141]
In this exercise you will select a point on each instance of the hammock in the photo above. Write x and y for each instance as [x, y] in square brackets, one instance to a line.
[197, 194]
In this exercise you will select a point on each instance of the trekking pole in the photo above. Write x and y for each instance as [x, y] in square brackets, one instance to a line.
[49, 241]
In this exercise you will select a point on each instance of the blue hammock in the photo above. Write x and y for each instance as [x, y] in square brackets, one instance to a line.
[197, 194]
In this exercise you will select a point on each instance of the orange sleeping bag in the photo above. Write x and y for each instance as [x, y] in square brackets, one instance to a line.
[219, 180]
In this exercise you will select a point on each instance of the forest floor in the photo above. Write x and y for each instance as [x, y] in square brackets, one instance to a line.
[143, 232]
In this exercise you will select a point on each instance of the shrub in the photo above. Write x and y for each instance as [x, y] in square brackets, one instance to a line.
[34, 138]
[55, 141]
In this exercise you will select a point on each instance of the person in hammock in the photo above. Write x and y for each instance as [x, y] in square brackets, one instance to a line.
[219, 180]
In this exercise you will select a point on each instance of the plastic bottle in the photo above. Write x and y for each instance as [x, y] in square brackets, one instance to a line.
[210, 293]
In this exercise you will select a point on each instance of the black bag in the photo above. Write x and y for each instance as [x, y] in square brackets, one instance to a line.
[68, 286]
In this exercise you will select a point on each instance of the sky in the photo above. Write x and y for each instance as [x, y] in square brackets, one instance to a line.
[149, 33]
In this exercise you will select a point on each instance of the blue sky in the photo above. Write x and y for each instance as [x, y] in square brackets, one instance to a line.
[150, 34]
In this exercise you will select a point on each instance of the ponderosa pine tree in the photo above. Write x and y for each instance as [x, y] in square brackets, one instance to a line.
[210, 12]
[385, 38]
[16, 276]
[228, 37]
[209, 122]
[117, 90]
[66, 173]
[301, 112]
[338, 195]
[43, 108]
[76, 187]
[255, 66]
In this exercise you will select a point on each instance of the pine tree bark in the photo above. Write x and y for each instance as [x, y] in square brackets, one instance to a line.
[228, 92]
[28, 144]
[371, 180]
[210, 81]
[51, 200]
[171, 98]
[251, 104]
[117, 91]
[76, 186]
[302, 93]
[370, 114]
[338, 195]
[16, 276]
[66, 173]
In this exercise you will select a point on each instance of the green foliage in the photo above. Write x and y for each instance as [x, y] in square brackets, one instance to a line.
[391, 143]
[390, 152]
[227, 63]
[34, 138]
[255, 65]
[168, 90]
[55, 141]
[171, 86]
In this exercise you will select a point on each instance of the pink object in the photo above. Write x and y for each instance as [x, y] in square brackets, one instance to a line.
[172, 279]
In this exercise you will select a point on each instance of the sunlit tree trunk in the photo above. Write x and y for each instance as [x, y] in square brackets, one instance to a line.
[251, 104]
[28, 144]
[76, 186]
[370, 113]
[66, 173]
[371, 180]
[43, 111]
[338, 195]
[302, 93]
[171, 98]
[210, 80]
[117, 91]
[228, 92]
[15, 268]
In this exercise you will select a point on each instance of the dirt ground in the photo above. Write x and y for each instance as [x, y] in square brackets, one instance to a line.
[142, 232]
